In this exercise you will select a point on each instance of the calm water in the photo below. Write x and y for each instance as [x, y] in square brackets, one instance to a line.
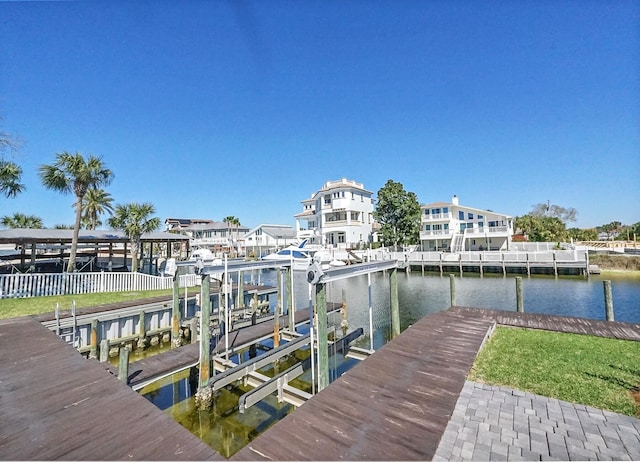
[227, 431]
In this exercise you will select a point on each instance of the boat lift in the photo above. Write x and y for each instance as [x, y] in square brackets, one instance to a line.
[318, 279]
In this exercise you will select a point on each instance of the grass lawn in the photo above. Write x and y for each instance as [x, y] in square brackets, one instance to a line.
[598, 372]
[14, 307]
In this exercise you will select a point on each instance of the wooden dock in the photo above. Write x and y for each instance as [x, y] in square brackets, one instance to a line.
[395, 405]
[57, 405]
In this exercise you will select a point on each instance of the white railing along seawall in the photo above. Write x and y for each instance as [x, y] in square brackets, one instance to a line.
[44, 284]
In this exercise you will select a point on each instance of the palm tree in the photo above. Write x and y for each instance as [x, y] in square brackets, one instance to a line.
[134, 220]
[73, 173]
[20, 220]
[230, 220]
[10, 174]
[96, 202]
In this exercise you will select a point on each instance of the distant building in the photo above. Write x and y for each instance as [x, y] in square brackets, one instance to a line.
[217, 236]
[264, 238]
[340, 214]
[452, 227]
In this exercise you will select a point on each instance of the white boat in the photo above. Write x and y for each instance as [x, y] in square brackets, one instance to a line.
[299, 257]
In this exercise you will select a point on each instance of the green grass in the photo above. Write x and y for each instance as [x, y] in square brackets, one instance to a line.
[14, 307]
[595, 371]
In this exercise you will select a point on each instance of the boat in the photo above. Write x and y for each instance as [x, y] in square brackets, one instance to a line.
[299, 257]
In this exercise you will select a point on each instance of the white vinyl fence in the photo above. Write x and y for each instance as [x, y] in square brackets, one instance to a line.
[36, 285]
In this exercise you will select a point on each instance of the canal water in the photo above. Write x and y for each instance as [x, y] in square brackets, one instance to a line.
[227, 431]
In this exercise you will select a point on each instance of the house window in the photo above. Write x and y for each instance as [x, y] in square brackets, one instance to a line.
[480, 224]
[427, 227]
[327, 199]
[435, 211]
[460, 215]
[446, 226]
[470, 216]
[426, 211]
[437, 227]
[480, 217]
[445, 210]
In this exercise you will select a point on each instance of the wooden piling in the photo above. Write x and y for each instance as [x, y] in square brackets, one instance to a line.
[519, 298]
[290, 301]
[608, 300]
[123, 365]
[205, 319]
[452, 288]
[193, 327]
[104, 350]
[323, 347]
[175, 312]
[395, 307]
[93, 352]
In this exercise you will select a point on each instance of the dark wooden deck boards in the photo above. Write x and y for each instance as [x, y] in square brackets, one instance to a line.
[54, 405]
[619, 330]
[394, 405]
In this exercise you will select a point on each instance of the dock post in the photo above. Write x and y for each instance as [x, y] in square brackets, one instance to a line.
[93, 352]
[555, 264]
[104, 350]
[240, 302]
[586, 266]
[290, 307]
[344, 324]
[395, 307]
[175, 315]
[142, 332]
[123, 365]
[205, 319]
[528, 267]
[481, 266]
[504, 268]
[440, 264]
[452, 288]
[276, 313]
[519, 299]
[323, 348]
[193, 328]
[608, 300]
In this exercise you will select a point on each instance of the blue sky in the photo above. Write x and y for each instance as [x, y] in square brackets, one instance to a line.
[215, 108]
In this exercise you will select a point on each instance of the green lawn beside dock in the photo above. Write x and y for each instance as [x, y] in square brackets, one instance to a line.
[594, 371]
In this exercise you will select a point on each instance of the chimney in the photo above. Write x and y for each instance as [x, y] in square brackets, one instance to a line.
[454, 200]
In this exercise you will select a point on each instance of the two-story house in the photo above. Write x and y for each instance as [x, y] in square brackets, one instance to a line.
[340, 214]
[452, 227]
[216, 236]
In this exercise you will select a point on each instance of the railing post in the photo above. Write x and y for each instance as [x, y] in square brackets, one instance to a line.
[608, 300]
[519, 298]
[104, 350]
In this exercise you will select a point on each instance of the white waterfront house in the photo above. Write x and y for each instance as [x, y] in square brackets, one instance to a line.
[264, 238]
[340, 214]
[452, 227]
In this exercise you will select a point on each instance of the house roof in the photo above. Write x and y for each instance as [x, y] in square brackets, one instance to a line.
[62, 236]
[276, 231]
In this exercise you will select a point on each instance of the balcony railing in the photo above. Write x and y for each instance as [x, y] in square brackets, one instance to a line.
[437, 216]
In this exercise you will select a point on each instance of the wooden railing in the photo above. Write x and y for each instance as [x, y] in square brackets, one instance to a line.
[44, 284]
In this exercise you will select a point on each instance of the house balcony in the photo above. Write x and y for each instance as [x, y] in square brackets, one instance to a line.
[435, 234]
[335, 223]
[437, 216]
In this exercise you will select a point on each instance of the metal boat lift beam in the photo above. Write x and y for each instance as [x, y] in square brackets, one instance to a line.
[234, 266]
[277, 383]
[221, 380]
[358, 269]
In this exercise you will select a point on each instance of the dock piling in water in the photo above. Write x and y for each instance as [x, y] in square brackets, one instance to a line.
[608, 300]
[452, 288]
[519, 298]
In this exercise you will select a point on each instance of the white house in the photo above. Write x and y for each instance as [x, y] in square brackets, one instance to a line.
[340, 214]
[217, 236]
[453, 227]
[263, 238]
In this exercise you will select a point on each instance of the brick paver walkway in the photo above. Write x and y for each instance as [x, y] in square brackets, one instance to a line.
[500, 423]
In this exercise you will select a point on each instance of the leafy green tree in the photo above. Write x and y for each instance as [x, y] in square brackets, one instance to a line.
[231, 220]
[95, 203]
[542, 229]
[20, 220]
[398, 213]
[134, 220]
[612, 229]
[578, 234]
[72, 173]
